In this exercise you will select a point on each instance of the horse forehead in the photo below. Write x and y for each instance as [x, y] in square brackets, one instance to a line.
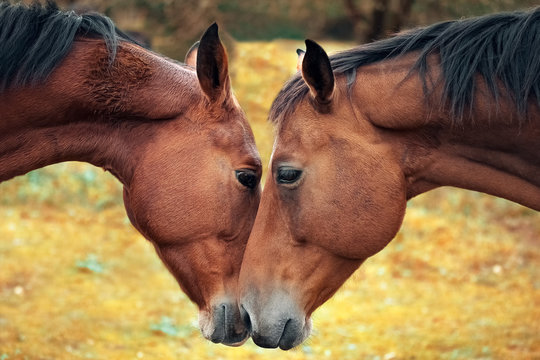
[233, 133]
[304, 130]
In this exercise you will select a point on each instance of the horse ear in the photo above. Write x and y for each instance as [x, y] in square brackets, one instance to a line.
[212, 65]
[301, 54]
[191, 55]
[317, 72]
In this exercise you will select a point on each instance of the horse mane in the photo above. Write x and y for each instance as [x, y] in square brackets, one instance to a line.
[502, 48]
[35, 38]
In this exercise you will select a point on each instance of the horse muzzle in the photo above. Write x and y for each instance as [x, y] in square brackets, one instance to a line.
[223, 324]
[278, 323]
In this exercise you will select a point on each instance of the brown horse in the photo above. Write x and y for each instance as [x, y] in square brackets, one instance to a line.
[453, 104]
[74, 88]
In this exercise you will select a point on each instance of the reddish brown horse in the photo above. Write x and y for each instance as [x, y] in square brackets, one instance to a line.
[72, 88]
[453, 104]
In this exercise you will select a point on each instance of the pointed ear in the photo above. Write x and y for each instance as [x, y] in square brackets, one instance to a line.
[317, 73]
[191, 55]
[212, 65]
[301, 54]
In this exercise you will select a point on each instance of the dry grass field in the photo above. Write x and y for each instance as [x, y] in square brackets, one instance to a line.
[460, 280]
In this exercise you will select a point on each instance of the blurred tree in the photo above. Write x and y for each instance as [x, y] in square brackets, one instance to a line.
[173, 25]
[384, 17]
[376, 19]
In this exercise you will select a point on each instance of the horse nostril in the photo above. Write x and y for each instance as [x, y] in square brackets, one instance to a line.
[288, 336]
[245, 318]
[227, 325]
[219, 334]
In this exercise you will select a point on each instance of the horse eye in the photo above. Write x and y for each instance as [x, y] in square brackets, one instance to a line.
[286, 175]
[247, 177]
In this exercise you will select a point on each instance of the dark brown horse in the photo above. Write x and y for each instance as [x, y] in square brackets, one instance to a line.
[74, 88]
[453, 104]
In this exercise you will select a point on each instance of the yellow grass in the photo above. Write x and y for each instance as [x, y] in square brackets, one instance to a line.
[460, 281]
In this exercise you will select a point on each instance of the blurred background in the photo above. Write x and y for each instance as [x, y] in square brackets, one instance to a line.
[459, 281]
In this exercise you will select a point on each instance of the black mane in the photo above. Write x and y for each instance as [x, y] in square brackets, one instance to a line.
[501, 47]
[34, 39]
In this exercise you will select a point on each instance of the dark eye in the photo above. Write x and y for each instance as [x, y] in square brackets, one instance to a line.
[247, 177]
[287, 175]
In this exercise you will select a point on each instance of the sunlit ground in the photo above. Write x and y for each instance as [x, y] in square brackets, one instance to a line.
[460, 281]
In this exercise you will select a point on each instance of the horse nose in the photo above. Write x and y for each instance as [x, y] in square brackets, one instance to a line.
[288, 337]
[228, 327]
[277, 322]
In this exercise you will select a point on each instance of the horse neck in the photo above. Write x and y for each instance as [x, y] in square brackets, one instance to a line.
[60, 121]
[492, 151]
[84, 111]
[52, 140]
[501, 161]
